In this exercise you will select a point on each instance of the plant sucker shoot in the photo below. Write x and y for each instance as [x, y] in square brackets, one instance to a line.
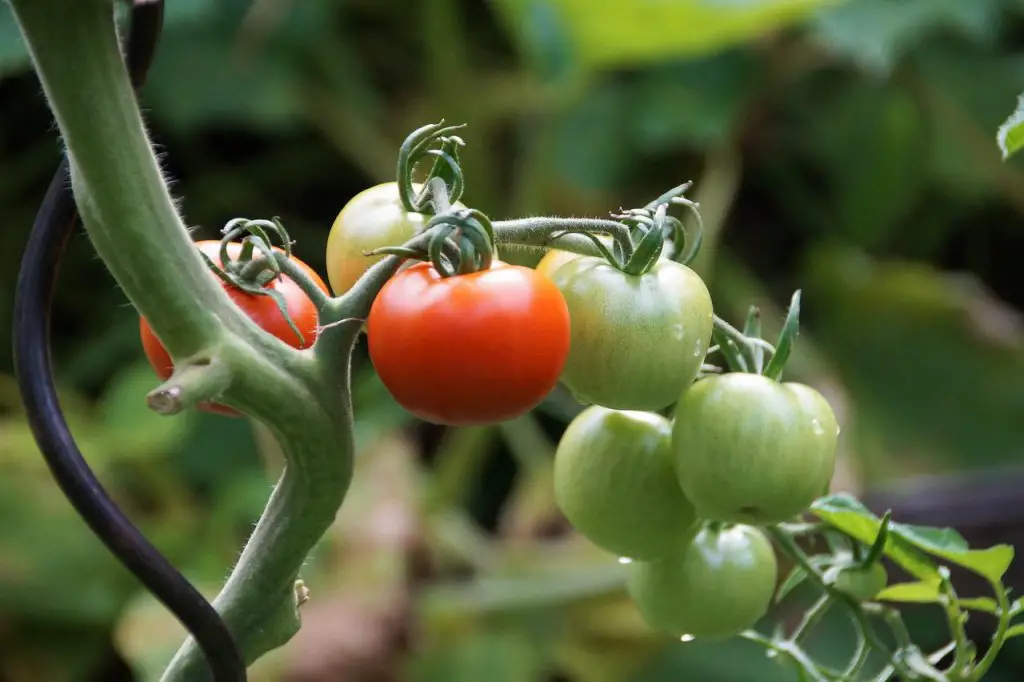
[697, 475]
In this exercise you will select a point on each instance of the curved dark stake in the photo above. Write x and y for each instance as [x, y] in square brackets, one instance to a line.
[36, 284]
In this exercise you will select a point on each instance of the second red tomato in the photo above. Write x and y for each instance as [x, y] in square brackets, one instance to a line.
[470, 349]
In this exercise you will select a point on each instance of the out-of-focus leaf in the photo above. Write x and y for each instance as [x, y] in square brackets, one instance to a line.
[54, 568]
[965, 110]
[14, 57]
[696, 102]
[500, 655]
[590, 148]
[222, 87]
[612, 33]
[871, 142]
[130, 426]
[876, 33]
[931, 361]
[1010, 135]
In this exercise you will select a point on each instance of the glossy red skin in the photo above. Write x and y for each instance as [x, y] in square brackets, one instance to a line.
[262, 310]
[471, 349]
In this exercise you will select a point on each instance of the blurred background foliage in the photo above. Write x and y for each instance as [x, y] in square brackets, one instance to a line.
[842, 147]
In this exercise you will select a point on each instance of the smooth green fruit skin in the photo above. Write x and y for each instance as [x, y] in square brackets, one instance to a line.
[862, 584]
[637, 341]
[615, 483]
[752, 450]
[372, 219]
[718, 586]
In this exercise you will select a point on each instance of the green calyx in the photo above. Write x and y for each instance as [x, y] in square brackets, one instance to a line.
[257, 265]
[650, 229]
[461, 240]
[437, 141]
[745, 351]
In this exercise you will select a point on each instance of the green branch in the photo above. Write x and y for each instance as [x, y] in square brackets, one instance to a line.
[130, 218]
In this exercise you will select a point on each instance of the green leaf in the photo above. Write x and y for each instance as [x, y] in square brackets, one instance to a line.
[920, 592]
[906, 543]
[992, 563]
[877, 33]
[1010, 135]
[929, 592]
[847, 514]
[1015, 631]
[986, 604]
[613, 34]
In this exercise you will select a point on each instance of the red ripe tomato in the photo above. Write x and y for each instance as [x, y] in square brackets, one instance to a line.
[262, 310]
[470, 349]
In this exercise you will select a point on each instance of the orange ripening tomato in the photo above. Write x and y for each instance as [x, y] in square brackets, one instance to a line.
[470, 349]
[262, 310]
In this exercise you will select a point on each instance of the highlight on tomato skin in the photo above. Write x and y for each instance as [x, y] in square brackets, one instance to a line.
[262, 310]
[471, 349]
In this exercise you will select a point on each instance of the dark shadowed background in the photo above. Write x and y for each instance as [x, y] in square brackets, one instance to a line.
[846, 148]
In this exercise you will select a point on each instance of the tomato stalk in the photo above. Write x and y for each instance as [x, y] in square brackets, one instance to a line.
[132, 222]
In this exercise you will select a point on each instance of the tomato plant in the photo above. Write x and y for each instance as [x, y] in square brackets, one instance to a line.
[752, 450]
[468, 349]
[614, 482]
[637, 340]
[263, 310]
[716, 585]
[372, 219]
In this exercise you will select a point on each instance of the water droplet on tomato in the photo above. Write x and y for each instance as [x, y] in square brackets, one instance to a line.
[687, 638]
[698, 348]
[625, 560]
[818, 429]
[678, 332]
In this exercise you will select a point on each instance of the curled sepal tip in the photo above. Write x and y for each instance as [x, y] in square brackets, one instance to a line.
[786, 338]
[752, 329]
[874, 554]
[462, 242]
[418, 145]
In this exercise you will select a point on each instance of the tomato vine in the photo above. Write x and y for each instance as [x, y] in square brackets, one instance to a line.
[719, 460]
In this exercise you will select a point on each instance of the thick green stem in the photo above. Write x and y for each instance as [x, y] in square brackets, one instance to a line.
[130, 218]
[115, 176]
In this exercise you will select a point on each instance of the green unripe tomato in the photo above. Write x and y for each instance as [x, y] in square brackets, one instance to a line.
[752, 450]
[638, 341]
[615, 483]
[372, 219]
[863, 584]
[716, 587]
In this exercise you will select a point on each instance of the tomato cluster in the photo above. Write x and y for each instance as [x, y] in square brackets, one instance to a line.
[681, 498]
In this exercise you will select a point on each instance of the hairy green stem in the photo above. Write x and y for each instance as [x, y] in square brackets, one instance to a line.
[130, 218]
[543, 231]
[791, 549]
